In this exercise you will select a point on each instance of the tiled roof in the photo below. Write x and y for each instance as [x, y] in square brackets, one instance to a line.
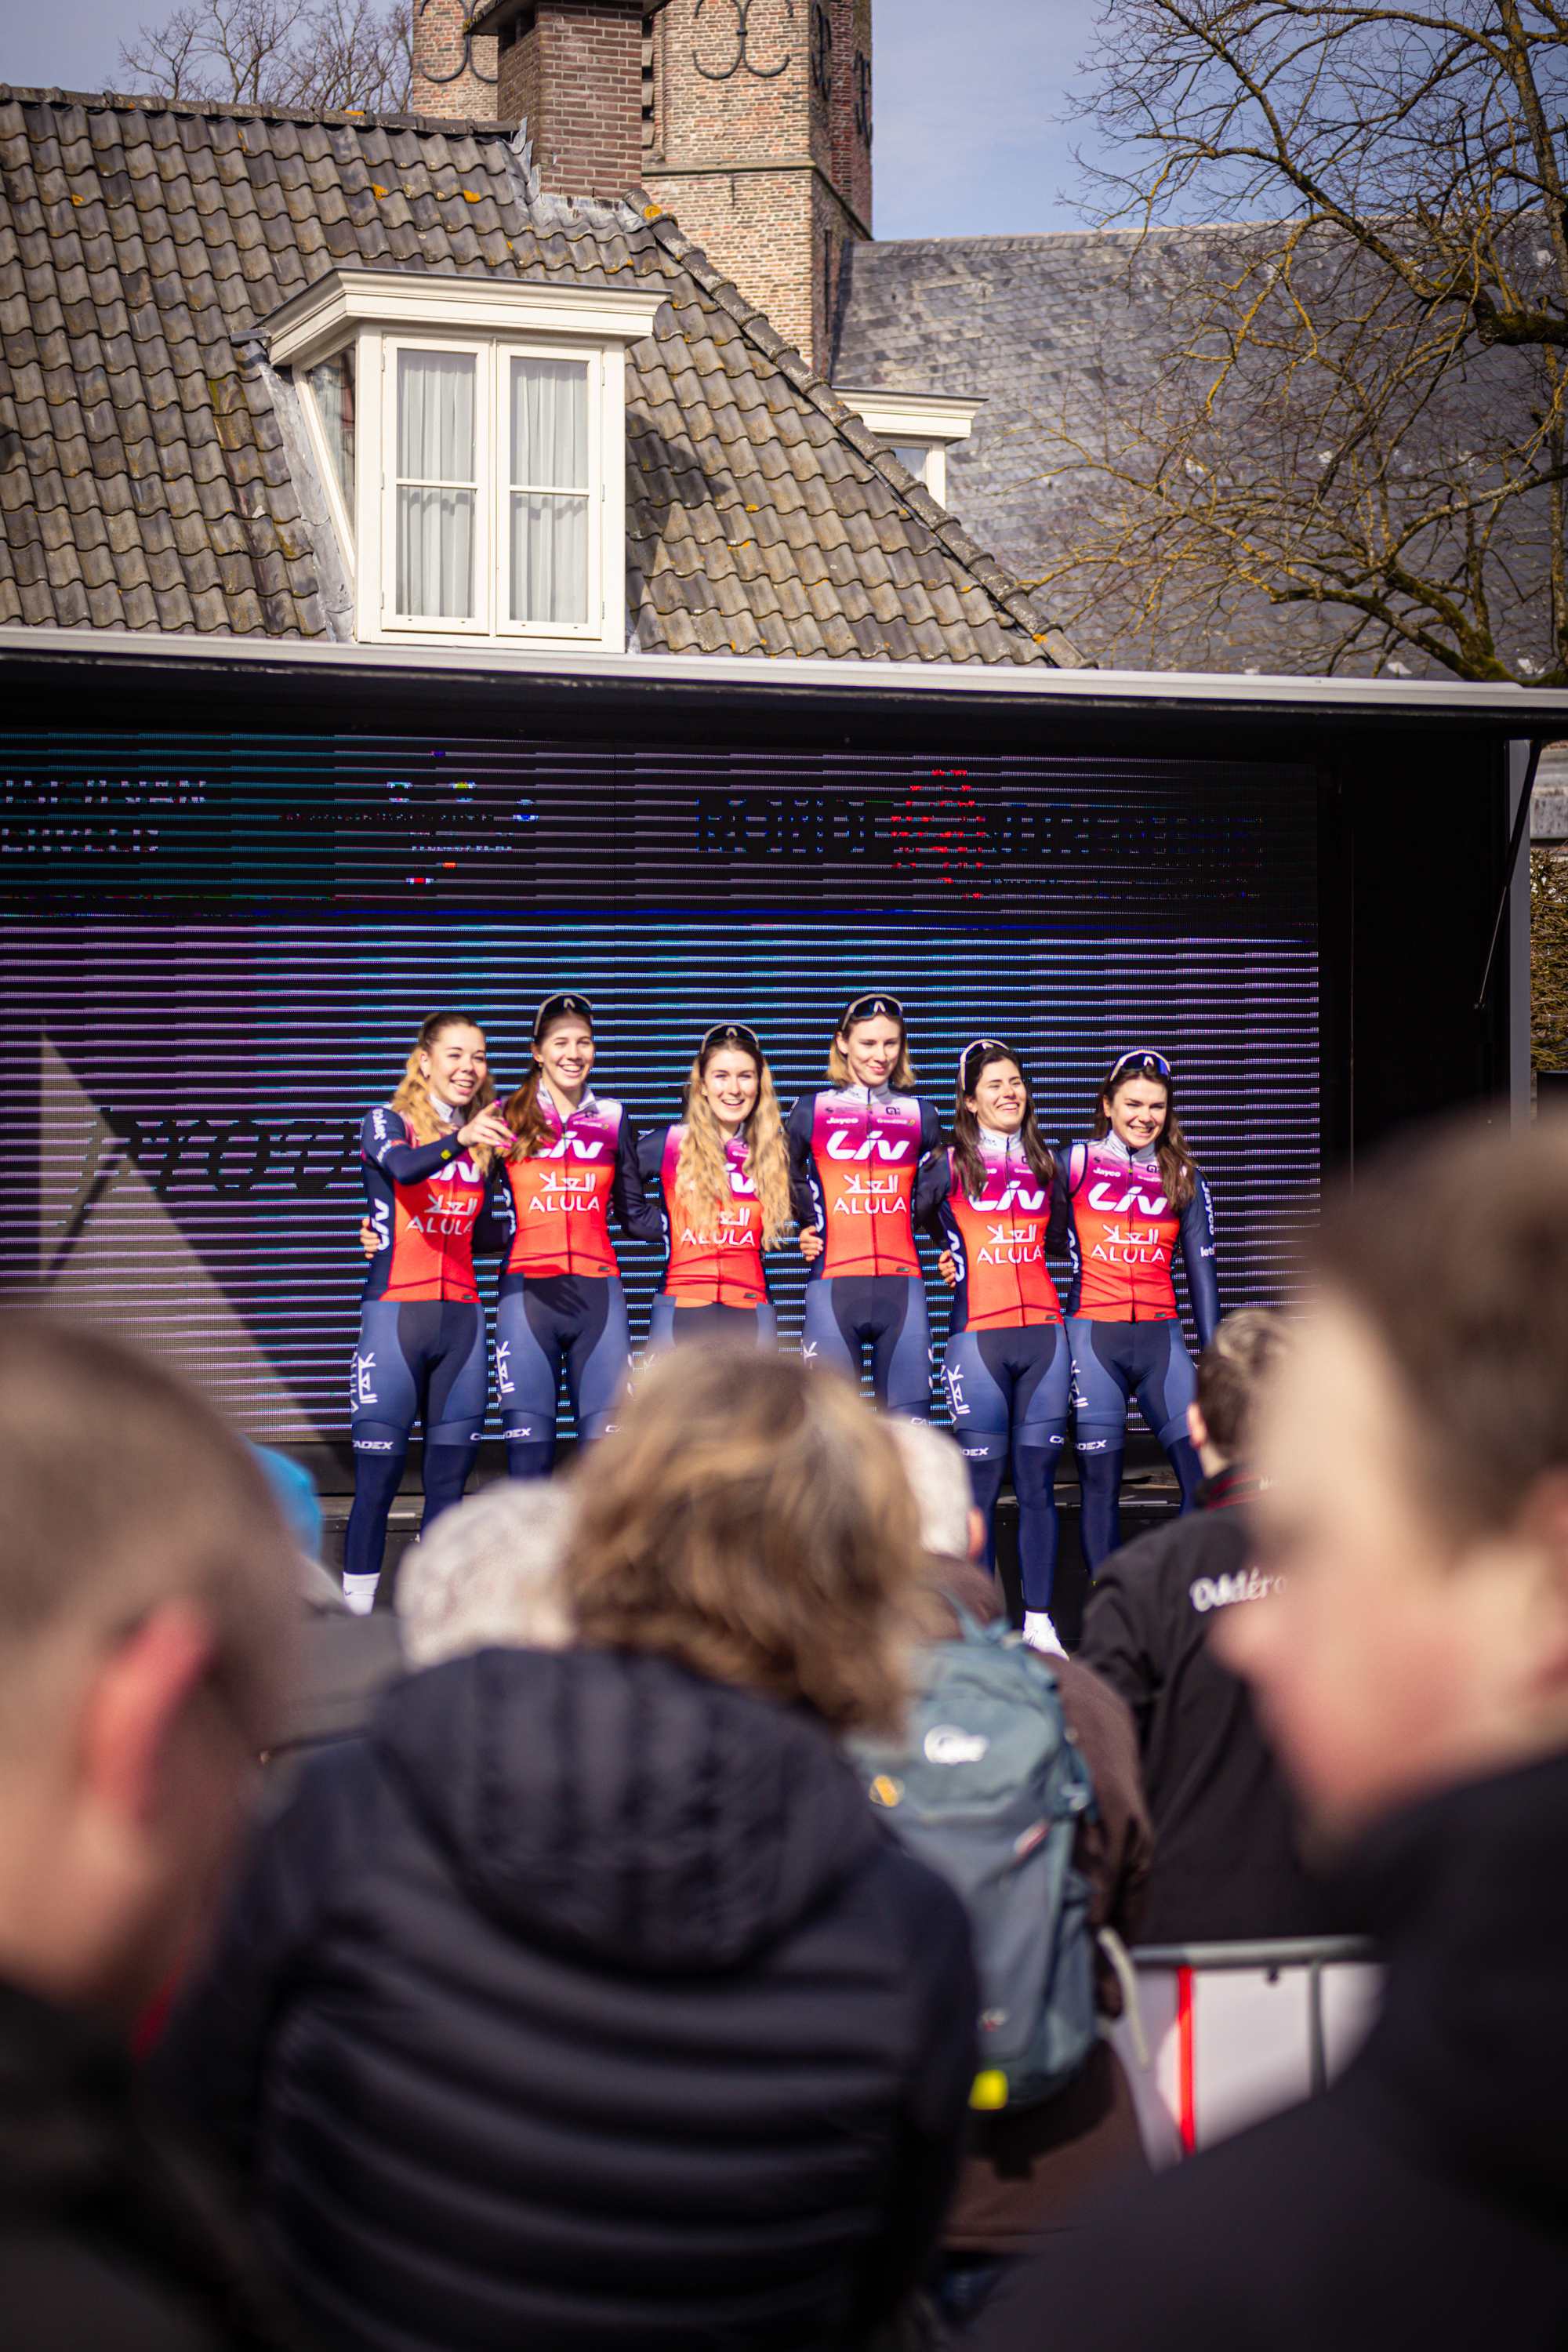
[146, 474]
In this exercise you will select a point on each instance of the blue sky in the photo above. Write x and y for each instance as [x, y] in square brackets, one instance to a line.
[967, 97]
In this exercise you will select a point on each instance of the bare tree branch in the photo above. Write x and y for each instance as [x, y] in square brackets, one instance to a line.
[344, 54]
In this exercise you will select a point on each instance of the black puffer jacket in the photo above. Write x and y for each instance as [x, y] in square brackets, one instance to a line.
[584, 2004]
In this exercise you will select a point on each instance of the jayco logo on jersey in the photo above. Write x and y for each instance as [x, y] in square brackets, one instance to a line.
[944, 1743]
[841, 1145]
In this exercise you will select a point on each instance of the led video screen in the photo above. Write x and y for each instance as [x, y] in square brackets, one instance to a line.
[216, 951]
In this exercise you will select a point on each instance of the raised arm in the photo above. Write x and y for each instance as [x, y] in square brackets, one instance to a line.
[1198, 1257]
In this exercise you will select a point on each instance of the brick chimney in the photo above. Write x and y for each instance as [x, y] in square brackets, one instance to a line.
[757, 136]
[571, 70]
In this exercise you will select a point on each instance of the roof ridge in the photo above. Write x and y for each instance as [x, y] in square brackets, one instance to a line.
[1009, 594]
[355, 118]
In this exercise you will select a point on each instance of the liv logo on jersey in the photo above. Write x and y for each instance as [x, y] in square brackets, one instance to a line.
[562, 1213]
[998, 1242]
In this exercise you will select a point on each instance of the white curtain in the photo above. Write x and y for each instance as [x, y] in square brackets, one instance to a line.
[331, 384]
[549, 490]
[437, 484]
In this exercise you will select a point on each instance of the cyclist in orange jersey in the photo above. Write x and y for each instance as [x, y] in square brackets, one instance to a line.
[1134, 1194]
[426, 1160]
[997, 1199]
[574, 1158]
[854, 1148]
[724, 1174]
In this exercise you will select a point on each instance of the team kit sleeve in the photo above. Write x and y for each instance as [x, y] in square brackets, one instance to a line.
[650, 1156]
[804, 1197]
[1198, 1257]
[639, 1216]
[384, 1139]
[933, 1181]
[495, 1227]
[1059, 1224]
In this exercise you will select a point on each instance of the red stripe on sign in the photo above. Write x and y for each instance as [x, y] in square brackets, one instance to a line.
[1187, 2116]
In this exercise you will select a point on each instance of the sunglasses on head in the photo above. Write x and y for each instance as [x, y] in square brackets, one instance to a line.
[554, 1006]
[983, 1045]
[868, 1007]
[731, 1032]
[1144, 1058]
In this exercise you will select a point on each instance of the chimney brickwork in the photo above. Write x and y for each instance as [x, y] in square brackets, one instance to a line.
[454, 71]
[573, 70]
[760, 143]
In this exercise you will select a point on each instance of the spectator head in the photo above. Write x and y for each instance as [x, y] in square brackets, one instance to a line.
[489, 1576]
[146, 1583]
[750, 1520]
[1233, 1371]
[1415, 1454]
[949, 1525]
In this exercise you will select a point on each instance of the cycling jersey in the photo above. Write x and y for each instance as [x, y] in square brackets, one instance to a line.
[424, 1200]
[1122, 1236]
[999, 1242]
[561, 1194]
[720, 1264]
[853, 1154]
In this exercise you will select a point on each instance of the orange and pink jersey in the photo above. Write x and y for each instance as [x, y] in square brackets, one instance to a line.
[717, 1262]
[998, 1241]
[854, 1153]
[424, 1201]
[1123, 1234]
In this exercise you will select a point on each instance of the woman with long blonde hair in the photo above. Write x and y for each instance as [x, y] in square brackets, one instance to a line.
[854, 1148]
[723, 1175]
[426, 1159]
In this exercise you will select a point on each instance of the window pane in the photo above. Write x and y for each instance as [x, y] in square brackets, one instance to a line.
[435, 416]
[549, 424]
[436, 447]
[436, 553]
[911, 455]
[549, 559]
[331, 384]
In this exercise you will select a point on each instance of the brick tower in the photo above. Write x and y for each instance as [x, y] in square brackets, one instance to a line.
[757, 135]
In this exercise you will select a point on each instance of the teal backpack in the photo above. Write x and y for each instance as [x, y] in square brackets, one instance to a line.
[987, 1787]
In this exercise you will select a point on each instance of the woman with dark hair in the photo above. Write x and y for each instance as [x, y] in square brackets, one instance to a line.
[1133, 1193]
[573, 1158]
[724, 1174]
[426, 1159]
[583, 2004]
[993, 1200]
[853, 1149]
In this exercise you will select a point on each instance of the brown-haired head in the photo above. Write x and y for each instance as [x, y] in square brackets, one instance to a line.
[522, 1110]
[125, 1491]
[982, 1056]
[1233, 1372]
[750, 1520]
[1453, 1250]
[1178, 1168]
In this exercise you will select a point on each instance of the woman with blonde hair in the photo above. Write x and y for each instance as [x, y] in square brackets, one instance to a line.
[723, 1175]
[656, 2039]
[426, 1160]
[854, 1148]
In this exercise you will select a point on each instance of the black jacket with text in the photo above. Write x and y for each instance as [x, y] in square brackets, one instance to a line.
[584, 2003]
[1226, 1863]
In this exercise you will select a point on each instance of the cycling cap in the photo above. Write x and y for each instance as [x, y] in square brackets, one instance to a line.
[1145, 1058]
[567, 1000]
[731, 1032]
[867, 1008]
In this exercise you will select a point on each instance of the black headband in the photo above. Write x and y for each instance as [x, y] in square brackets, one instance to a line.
[867, 1008]
[731, 1032]
[554, 1005]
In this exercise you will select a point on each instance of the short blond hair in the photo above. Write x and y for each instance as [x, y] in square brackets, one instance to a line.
[123, 1490]
[750, 1520]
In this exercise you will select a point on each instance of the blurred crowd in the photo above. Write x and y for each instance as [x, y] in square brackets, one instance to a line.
[696, 1920]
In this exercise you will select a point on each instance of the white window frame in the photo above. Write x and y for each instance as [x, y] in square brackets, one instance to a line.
[380, 313]
[930, 421]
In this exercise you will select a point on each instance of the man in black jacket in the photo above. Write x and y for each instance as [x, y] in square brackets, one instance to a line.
[1226, 1858]
[144, 1603]
[1412, 1665]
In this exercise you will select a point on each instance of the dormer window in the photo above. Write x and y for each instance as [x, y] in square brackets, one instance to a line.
[471, 438]
[918, 427]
